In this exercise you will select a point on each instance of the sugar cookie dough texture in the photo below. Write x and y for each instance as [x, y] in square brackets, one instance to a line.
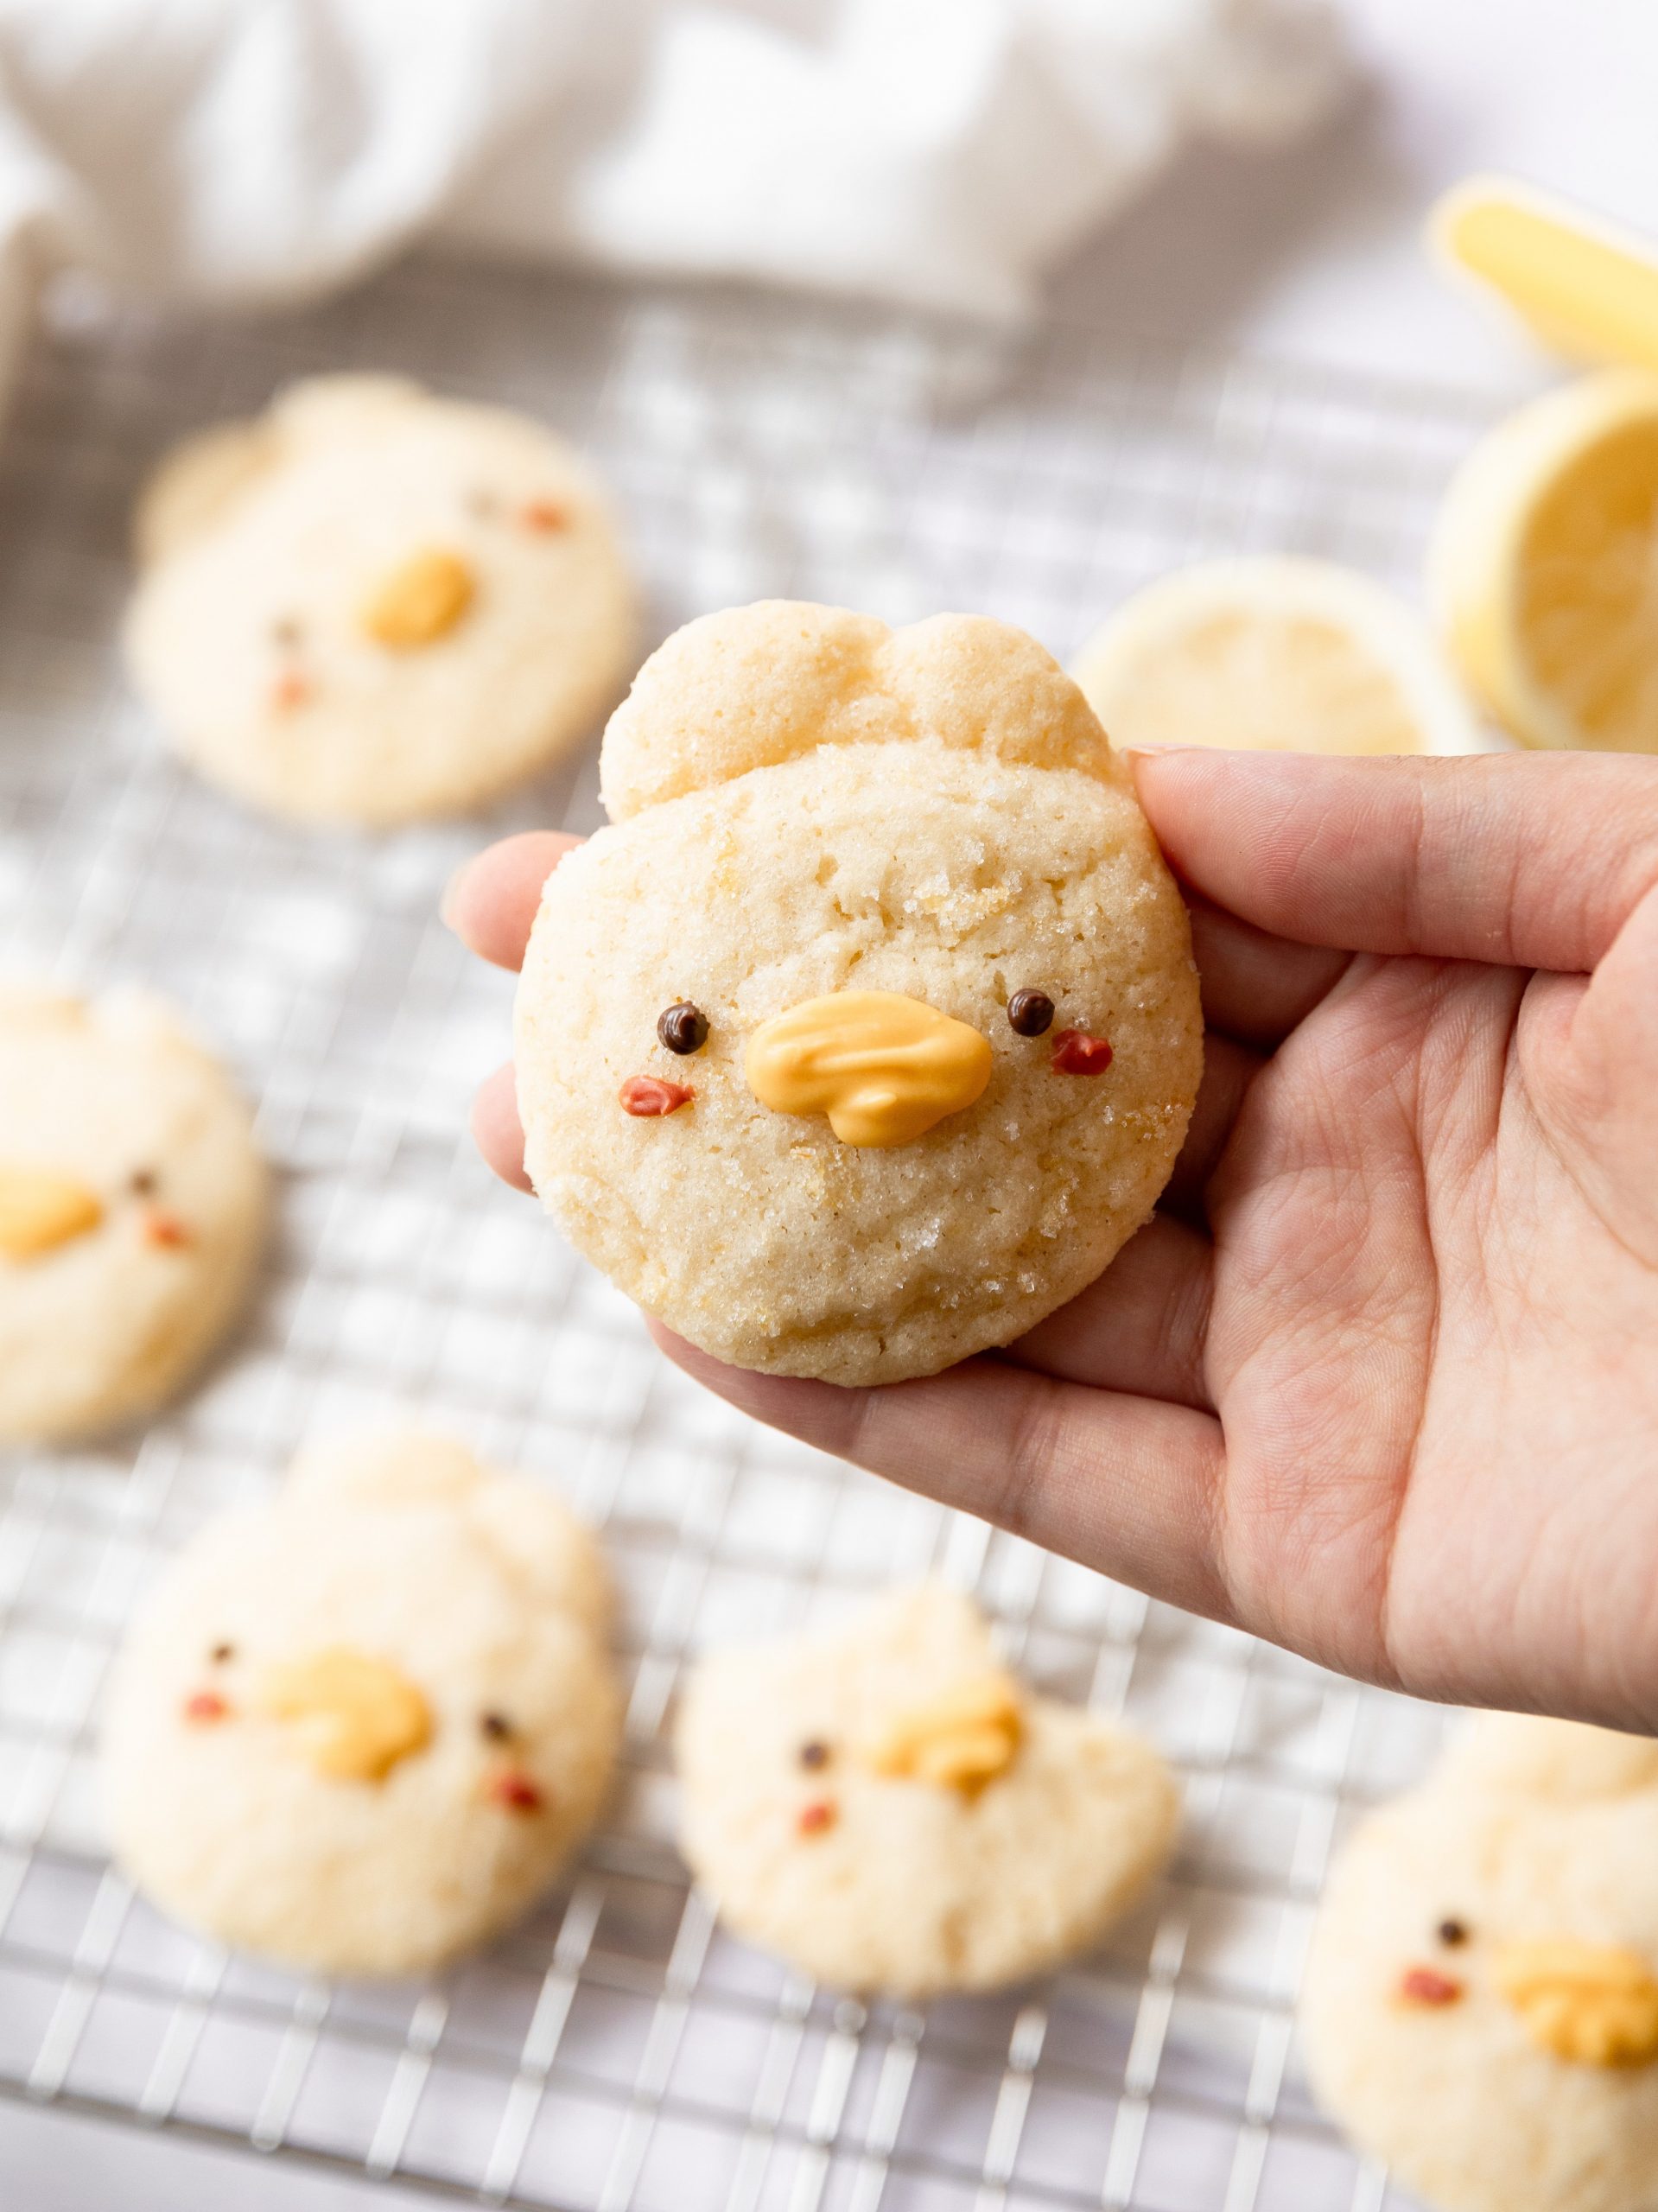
[1481, 2007]
[132, 1208]
[887, 1808]
[370, 604]
[361, 1727]
[906, 825]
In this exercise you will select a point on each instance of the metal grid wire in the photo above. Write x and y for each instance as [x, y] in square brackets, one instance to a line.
[618, 2051]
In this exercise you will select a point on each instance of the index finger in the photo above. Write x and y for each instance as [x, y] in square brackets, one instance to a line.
[492, 898]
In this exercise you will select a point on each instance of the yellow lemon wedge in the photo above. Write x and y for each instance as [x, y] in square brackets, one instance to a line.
[1586, 288]
[1274, 654]
[1544, 568]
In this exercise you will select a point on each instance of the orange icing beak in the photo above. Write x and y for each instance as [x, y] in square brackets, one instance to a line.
[884, 1068]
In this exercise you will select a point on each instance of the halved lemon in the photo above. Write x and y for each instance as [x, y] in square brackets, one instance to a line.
[1544, 568]
[1274, 654]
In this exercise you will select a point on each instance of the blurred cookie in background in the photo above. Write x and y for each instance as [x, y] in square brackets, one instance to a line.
[1481, 2004]
[889, 1808]
[361, 1727]
[1277, 655]
[370, 605]
[133, 1205]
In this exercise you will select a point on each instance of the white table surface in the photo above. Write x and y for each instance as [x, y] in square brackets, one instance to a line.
[1314, 253]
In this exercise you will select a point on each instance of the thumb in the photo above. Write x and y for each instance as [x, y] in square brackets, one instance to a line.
[1530, 861]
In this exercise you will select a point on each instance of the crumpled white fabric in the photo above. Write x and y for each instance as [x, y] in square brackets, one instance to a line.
[938, 152]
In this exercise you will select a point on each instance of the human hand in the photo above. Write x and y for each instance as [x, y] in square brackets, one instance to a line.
[1379, 1379]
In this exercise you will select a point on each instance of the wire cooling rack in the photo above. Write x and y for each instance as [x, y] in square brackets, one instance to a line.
[618, 2052]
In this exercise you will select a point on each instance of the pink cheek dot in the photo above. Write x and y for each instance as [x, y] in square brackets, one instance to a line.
[543, 515]
[516, 1791]
[290, 689]
[166, 1232]
[648, 1096]
[816, 1818]
[205, 1706]
[1075, 1053]
[1426, 1986]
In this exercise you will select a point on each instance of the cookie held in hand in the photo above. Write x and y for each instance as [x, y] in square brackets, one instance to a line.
[889, 1808]
[362, 1728]
[1481, 2007]
[869, 1032]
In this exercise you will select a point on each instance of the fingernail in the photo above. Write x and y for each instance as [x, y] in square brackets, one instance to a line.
[1154, 752]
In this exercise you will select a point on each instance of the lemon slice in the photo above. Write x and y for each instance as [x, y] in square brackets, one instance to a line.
[1585, 287]
[1544, 568]
[1276, 656]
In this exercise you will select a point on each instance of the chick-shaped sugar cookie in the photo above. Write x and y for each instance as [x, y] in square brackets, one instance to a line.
[132, 1207]
[887, 1806]
[361, 1727]
[1481, 2005]
[371, 604]
[869, 1031]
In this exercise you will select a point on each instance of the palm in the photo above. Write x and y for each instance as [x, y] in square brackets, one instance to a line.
[1380, 1380]
[1433, 1462]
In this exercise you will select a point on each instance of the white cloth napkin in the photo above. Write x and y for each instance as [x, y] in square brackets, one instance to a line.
[939, 152]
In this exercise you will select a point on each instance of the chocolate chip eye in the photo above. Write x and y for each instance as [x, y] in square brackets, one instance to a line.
[1029, 1012]
[142, 1182]
[814, 1755]
[684, 1027]
[484, 505]
[287, 631]
[221, 1652]
[495, 1725]
[1451, 1933]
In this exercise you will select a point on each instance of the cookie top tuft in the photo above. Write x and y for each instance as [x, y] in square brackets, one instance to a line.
[753, 686]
